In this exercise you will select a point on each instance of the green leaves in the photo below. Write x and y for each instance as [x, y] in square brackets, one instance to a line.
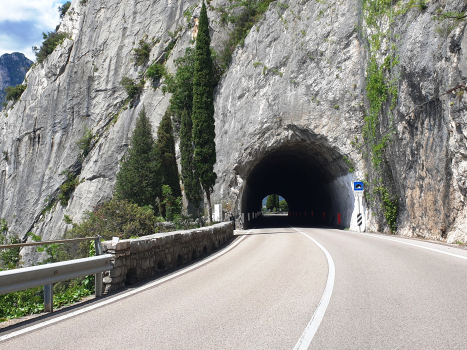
[138, 180]
[203, 106]
[13, 93]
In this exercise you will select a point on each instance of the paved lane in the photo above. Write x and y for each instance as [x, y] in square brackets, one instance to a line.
[390, 295]
[260, 295]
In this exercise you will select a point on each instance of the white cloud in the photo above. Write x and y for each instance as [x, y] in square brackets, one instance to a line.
[44, 12]
[23, 21]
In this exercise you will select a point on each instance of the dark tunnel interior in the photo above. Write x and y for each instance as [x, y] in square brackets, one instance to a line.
[313, 179]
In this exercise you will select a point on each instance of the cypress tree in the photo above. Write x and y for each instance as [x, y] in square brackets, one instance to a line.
[190, 176]
[203, 109]
[166, 151]
[138, 180]
[276, 201]
[270, 202]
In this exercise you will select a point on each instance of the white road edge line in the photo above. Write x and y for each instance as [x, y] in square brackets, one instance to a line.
[412, 244]
[310, 330]
[120, 296]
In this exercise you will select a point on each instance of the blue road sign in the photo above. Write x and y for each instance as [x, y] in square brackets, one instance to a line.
[358, 186]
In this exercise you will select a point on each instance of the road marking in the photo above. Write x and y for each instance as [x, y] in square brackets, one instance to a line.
[310, 330]
[412, 244]
[121, 296]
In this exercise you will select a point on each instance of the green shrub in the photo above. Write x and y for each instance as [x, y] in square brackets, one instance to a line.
[62, 10]
[84, 143]
[9, 257]
[116, 218]
[142, 52]
[131, 88]
[67, 188]
[51, 41]
[13, 93]
[156, 71]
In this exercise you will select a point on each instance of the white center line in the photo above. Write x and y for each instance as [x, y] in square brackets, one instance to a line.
[310, 330]
[121, 296]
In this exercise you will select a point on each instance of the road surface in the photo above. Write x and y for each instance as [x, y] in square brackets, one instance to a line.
[275, 289]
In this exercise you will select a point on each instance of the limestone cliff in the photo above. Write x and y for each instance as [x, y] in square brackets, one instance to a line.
[298, 80]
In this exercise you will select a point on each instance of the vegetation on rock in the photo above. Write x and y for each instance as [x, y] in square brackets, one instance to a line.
[142, 52]
[67, 188]
[62, 10]
[13, 93]
[51, 41]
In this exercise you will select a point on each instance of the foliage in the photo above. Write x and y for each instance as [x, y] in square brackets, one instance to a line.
[181, 85]
[84, 143]
[116, 218]
[382, 94]
[13, 93]
[390, 207]
[283, 205]
[166, 151]
[203, 109]
[251, 13]
[62, 10]
[142, 52]
[67, 188]
[51, 41]
[31, 301]
[138, 180]
[156, 71]
[67, 219]
[132, 88]
[190, 176]
[272, 202]
[172, 204]
[9, 257]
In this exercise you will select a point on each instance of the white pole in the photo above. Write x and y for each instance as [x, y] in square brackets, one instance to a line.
[359, 227]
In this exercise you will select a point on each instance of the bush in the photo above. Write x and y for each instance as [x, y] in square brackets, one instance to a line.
[62, 10]
[13, 93]
[84, 143]
[142, 52]
[51, 41]
[156, 71]
[67, 188]
[131, 88]
[116, 218]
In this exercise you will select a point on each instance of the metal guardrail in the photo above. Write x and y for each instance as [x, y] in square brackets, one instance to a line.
[46, 275]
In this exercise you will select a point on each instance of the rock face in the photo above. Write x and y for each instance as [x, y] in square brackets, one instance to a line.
[13, 68]
[295, 91]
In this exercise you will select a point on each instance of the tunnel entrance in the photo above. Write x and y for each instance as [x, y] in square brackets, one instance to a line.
[314, 179]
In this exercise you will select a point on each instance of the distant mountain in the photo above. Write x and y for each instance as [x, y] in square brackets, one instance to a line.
[13, 68]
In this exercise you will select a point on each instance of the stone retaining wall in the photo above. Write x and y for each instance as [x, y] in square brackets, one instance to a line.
[137, 259]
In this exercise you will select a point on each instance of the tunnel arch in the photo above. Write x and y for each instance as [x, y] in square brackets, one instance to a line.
[313, 177]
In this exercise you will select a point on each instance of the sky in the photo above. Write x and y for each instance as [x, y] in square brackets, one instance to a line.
[22, 23]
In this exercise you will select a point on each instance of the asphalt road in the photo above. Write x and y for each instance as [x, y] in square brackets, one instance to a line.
[388, 293]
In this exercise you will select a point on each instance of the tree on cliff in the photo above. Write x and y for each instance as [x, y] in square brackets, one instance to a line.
[138, 180]
[203, 109]
[166, 151]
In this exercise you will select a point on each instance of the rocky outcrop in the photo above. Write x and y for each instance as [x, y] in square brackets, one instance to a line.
[13, 68]
[298, 79]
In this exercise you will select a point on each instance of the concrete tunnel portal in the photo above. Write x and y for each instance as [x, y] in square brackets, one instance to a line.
[313, 179]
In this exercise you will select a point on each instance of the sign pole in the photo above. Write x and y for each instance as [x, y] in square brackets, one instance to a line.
[359, 227]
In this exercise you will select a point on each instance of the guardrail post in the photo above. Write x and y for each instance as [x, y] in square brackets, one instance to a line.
[48, 298]
[98, 279]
